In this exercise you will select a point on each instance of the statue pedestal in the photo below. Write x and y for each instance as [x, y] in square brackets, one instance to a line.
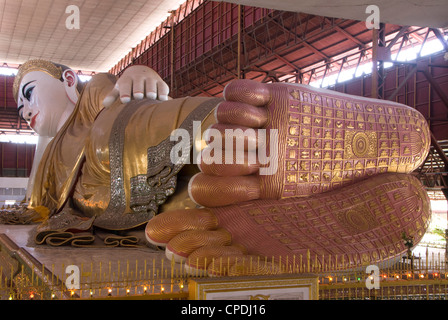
[44, 270]
[31, 271]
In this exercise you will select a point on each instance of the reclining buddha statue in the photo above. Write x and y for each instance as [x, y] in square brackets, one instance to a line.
[269, 170]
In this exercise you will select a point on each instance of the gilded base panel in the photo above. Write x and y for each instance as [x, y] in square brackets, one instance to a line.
[284, 287]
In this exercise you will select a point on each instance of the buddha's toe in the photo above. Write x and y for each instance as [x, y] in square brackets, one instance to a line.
[165, 226]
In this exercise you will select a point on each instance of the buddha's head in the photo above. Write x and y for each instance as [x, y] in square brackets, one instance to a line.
[45, 93]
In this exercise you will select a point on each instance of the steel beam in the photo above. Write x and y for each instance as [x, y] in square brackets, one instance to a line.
[400, 34]
[436, 86]
[305, 43]
[346, 34]
[439, 36]
[403, 83]
[240, 52]
[378, 43]
[440, 151]
[276, 55]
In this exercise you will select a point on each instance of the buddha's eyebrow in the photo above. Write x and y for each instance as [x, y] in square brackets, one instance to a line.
[24, 86]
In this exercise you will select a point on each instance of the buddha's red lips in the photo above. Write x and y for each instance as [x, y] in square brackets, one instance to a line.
[33, 121]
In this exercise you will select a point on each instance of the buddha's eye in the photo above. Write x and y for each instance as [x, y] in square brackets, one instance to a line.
[28, 93]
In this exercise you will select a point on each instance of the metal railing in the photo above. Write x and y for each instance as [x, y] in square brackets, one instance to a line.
[413, 277]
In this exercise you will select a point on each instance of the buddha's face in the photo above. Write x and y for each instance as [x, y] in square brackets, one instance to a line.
[42, 100]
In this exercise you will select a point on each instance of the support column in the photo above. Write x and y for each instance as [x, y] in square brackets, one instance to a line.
[379, 54]
[240, 39]
[172, 55]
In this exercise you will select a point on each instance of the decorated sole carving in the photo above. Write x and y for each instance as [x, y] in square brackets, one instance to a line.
[360, 223]
[326, 140]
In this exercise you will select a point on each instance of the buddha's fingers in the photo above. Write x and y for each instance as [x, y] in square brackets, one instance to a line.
[182, 245]
[125, 89]
[138, 89]
[212, 191]
[165, 226]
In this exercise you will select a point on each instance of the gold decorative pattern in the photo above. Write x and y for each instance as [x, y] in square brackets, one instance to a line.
[35, 65]
[305, 285]
[339, 140]
[150, 190]
[360, 144]
[357, 219]
[368, 217]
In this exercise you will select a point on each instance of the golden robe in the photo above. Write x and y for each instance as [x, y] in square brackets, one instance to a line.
[110, 166]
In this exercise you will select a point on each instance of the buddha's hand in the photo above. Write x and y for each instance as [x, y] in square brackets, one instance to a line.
[136, 83]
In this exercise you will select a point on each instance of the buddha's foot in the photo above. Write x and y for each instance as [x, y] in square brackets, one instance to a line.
[296, 140]
[359, 224]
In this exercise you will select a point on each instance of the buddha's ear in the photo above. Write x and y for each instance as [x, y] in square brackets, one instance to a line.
[70, 83]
